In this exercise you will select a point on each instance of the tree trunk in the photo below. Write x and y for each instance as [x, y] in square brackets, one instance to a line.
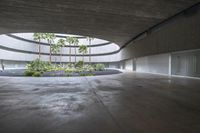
[75, 53]
[90, 51]
[39, 50]
[50, 54]
[83, 59]
[69, 53]
[55, 59]
[60, 55]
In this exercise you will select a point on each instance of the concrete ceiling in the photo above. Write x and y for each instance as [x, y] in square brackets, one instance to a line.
[114, 20]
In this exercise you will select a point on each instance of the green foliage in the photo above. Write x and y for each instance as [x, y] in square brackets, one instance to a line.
[90, 74]
[79, 64]
[70, 65]
[61, 42]
[70, 70]
[49, 37]
[38, 65]
[36, 74]
[38, 36]
[72, 40]
[33, 73]
[29, 73]
[99, 67]
[55, 48]
[89, 68]
[83, 49]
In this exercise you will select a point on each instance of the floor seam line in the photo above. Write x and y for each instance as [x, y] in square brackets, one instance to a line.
[104, 106]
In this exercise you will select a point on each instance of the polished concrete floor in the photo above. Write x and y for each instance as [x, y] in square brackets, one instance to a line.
[122, 103]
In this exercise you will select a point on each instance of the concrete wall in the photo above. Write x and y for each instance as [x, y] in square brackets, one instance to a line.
[20, 50]
[114, 65]
[129, 65]
[178, 34]
[13, 65]
[154, 64]
[9, 55]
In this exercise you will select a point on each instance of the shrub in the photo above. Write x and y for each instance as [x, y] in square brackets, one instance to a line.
[29, 73]
[89, 68]
[33, 73]
[69, 70]
[68, 75]
[99, 67]
[38, 65]
[89, 74]
[70, 65]
[36, 74]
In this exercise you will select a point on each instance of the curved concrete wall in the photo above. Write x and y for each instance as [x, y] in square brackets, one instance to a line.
[177, 34]
[171, 48]
[22, 47]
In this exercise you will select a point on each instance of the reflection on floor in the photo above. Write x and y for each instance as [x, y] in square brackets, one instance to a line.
[122, 103]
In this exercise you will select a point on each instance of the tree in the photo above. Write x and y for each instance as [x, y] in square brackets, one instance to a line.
[38, 37]
[71, 41]
[50, 39]
[83, 49]
[61, 44]
[90, 41]
[76, 41]
[55, 49]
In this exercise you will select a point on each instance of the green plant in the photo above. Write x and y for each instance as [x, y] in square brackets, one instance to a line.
[61, 44]
[50, 37]
[89, 74]
[29, 73]
[89, 68]
[90, 42]
[75, 42]
[83, 49]
[38, 65]
[68, 75]
[69, 70]
[79, 64]
[70, 41]
[99, 67]
[38, 37]
[33, 73]
[55, 48]
[36, 74]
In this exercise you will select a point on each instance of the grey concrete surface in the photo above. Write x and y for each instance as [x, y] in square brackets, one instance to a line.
[181, 33]
[114, 20]
[122, 103]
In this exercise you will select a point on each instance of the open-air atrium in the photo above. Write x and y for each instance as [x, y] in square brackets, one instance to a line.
[107, 66]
